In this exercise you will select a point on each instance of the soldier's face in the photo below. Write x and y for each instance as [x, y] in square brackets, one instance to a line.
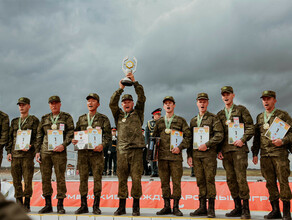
[55, 107]
[92, 104]
[269, 103]
[128, 105]
[157, 116]
[202, 105]
[168, 106]
[23, 108]
[227, 98]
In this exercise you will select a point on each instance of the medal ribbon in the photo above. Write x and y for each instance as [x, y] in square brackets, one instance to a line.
[19, 122]
[168, 123]
[126, 115]
[228, 113]
[199, 120]
[266, 119]
[90, 121]
[54, 121]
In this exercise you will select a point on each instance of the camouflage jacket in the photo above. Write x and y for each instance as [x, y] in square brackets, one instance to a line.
[216, 135]
[45, 125]
[4, 129]
[129, 132]
[149, 130]
[261, 142]
[179, 124]
[244, 117]
[99, 120]
[31, 123]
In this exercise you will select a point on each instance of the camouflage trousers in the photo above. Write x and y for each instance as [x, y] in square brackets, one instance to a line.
[59, 162]
[205, 172]
[1, 156]
[130, 163]
[173, 169]
[274, 168]
[95, 161]
[22, 167]
[235, 164]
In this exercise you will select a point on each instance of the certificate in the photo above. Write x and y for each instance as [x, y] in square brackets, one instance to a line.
[235, 132]
[278, 129]
[94, 138]
[22, 139]
[200, 136]
[82, 138]
[55, 138]
[176, 138]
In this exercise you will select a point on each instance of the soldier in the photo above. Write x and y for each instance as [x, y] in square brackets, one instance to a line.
[22, 164]
[57, 157]
[146, 167]
[92, 158]
[234, 155]
[170, 161]
[204, 159]
[106, 152]
[113, 154]
[156, 115]
[130, 144]
[274, 156]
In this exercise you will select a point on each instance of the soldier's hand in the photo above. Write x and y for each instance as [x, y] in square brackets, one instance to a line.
[74, 142]
[24, 149]
[59, 148]
[255, 160]
[220, 156]
[190, 161]
[278, 142]
[202, 147]
[175, 150]
[98, 148]
[238, 143]
[131, 76]
[38, 157]
[121, 85]
[9, 157]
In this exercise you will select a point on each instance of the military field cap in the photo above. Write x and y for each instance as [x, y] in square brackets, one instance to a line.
[170, 98]
[93, 95]
[202, 95]
[268, 93]
[54, 98]
[23, 100]
[228, 89]
[158, 110]
[127, 97]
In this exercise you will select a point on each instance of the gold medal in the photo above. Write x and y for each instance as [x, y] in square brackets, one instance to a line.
[54, 127]
[227, 122]
[19, 130]
[266, 126]
[124, 120]
[89, 127]
[167, 131]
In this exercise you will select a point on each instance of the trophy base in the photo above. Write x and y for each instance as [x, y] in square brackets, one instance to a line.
[127, 82]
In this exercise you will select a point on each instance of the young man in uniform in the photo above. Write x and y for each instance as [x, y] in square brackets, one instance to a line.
[274, 156]
[235, 156]
[170, 160]
[204, 158]
[22, 164]
[92, 158]
[113, 154]
[57, 158]
[129, 122]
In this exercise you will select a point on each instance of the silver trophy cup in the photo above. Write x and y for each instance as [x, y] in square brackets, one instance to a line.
[128, 66]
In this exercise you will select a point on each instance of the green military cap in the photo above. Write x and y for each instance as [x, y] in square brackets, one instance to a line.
[268, 93]
[54, 98]
[202, 95]
[170, 98]
[127, 97]
[228, 89]
[23, 100]
[93, 95]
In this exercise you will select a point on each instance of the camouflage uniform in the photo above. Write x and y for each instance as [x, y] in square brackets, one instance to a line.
[92, 159]
[235, 158]
[130, 143]
[22, 164]
[4, 132]
[205, 162]
[51, 158]
[169, 164]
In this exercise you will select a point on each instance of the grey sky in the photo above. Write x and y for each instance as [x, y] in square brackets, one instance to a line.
[72, 48]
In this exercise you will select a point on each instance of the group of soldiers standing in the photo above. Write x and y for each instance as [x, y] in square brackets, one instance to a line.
[131, 142]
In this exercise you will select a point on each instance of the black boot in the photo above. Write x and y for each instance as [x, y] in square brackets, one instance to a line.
[109, 173]
[60, 207]
[83, 208]
[275, 213]
[245, 209]
[122, 207]
[19, 201]
[236, 212]
[95, 207]
[202, 210]
[176, 210]
[136, 207]
[286, 210]
[27, 204]
[211, 208]
[48, 207]
[167, 209]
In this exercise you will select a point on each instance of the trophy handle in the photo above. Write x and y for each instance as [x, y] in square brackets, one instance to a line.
[136, 63]
[123, 62]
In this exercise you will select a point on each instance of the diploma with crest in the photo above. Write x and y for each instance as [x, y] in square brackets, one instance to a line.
[200, 136]
[23, 139]
[82, 138]
[176, 137]
[278, 129]
[55, 138]
[94, 138]
[235, 132]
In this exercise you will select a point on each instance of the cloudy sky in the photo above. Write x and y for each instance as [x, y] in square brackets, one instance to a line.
[72, 48]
